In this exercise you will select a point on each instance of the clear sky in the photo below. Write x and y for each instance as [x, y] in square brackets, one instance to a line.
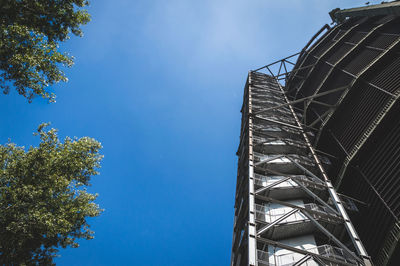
[160, 84]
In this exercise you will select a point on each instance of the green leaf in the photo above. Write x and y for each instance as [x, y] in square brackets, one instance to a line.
[44, 203]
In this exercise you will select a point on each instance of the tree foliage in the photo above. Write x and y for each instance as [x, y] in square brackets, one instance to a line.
[30, 33]
[44, 203]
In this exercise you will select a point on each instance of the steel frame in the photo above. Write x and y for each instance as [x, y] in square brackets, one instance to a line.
[357, 78]
[325, 53]
[254, 234]
[376, 122]
[346, 55]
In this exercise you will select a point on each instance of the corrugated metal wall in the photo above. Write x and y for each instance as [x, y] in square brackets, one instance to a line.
[362, 127]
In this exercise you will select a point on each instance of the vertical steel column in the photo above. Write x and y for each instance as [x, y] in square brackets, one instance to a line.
[252, 247]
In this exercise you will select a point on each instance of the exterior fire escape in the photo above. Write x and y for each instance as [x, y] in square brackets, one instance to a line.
[286, 213]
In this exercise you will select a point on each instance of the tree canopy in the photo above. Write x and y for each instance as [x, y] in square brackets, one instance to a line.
[30, 33]
[44, 202]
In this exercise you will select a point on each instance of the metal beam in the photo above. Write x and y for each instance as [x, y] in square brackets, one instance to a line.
[252, 244]
[321, 117]
[332, 237]
[277, 122]
[302, 209]
[351, 154]
[324, 104]
[309, 192]
[376, 192]
[346, 55]
[268, 160]
[303, 51]
[287, 61]
[301, 251]
[327, 51]
[359, 78]
[310, 179]
[303, 99]
[273, 63]
[318, 260]
[305, 169]
[302, 260]
[289, 72]
[269, 226]
[258, 191]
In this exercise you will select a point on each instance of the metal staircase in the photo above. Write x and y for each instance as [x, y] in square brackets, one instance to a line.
[286, 210]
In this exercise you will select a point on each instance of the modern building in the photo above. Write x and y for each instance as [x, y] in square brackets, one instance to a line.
[318, 178]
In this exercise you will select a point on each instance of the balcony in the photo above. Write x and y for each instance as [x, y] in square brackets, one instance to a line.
[274, 145]
[283, 163]
[277, 131]
[296, 222]
[293, 225]
[280, 187]
[284, 257]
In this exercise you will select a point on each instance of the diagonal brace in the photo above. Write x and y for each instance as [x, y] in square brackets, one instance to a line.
[303, 99]
[269, 159]
[302, 260]
[272, 185]
[283, 217]
[328, 234]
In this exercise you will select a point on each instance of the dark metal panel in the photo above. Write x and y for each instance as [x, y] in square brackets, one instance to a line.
[379, 185]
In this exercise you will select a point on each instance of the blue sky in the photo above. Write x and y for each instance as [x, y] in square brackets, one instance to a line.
[159, 84]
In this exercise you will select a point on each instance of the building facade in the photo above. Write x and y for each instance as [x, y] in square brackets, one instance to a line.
[319, 155]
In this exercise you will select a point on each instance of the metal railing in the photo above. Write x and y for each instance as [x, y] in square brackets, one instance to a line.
[290, 257]
[319, 208]
[303, 160]
[263, 181]
[270, 213]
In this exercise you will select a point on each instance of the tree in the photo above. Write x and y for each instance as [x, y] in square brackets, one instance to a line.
[44, 203]
[30, 33]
